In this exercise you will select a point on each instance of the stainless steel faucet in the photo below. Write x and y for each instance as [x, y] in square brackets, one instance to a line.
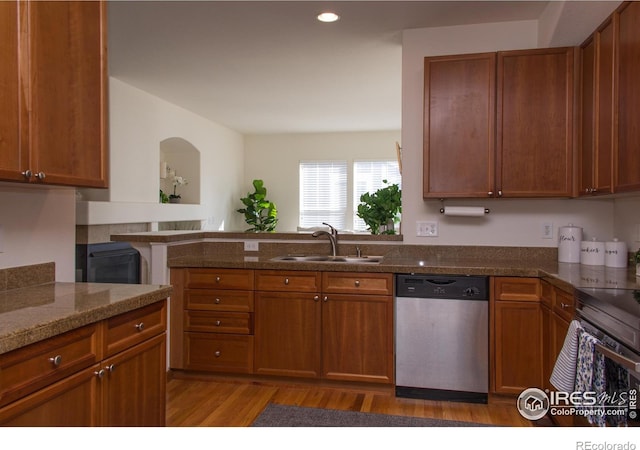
[333, 237]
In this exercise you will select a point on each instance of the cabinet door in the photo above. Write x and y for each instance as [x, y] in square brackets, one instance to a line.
[287, 334]
[13, 159]
[627, 175]
[597, 66]
[134, 385]
[518, 346]
[67, 99]
[459, 119]
[357, 338]
[73, 401]
[534, 123]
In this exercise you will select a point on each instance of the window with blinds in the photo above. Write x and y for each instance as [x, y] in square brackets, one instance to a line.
[323, 193]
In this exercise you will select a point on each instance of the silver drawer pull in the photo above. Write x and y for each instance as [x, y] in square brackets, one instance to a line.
[56, 360]
[217, 279]
[564, 305]
[325, 299]
[140, 326]
[316, 298]
[217, 301]
[99, 373]
[357, 283]
[218, 353]
[110, 368]
[286, 281]
[218, 323]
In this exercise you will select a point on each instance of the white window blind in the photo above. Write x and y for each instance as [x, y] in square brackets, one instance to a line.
[323, 193]
[367, 177]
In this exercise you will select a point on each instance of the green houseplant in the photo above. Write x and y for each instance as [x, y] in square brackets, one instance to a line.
[381, 209]
[259, 212]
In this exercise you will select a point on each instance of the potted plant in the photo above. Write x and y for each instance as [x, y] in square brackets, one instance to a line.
[177, 181]
[381, 209]
[259, 212]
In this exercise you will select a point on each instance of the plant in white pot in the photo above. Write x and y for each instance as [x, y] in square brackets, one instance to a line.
[381, 209]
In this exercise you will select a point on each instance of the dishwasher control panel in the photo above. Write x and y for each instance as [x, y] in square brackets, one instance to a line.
[457, 287]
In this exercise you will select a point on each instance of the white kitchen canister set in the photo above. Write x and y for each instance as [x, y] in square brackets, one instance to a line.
[572, 249]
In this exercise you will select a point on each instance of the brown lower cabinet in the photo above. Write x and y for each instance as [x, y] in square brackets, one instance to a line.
[305, 324]
[124, 386]
[517, 334]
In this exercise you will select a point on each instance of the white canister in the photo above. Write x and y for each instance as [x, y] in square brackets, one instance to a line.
[569, 239]
[615, 253]
[592, 253]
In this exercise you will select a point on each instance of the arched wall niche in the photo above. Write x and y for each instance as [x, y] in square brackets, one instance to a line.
[180, 158]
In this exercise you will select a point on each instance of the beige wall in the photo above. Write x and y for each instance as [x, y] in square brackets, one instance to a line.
[275, 158]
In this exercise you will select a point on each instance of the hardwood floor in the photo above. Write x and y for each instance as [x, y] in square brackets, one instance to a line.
[227, 402]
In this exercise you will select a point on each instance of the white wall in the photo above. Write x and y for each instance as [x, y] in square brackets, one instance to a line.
[38, 226]
[139, 122]
[511, 222]
[274, 159]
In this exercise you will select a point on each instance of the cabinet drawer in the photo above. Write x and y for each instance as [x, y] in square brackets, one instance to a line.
[218, 352]
[129, 329]
[219, 279]
[218, 322]
[277, 280]
[518, 289]
[30, 368]
[357, 283]
[564, 305]
[218, 300]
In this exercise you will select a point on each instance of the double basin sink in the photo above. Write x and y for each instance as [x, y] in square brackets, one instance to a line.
[330, 259]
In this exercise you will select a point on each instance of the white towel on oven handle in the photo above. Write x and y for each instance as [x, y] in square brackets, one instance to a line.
[563, 376]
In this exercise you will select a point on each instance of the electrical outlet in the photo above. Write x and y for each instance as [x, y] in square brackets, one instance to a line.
[429, 229]
[547, 230]
[251, 246]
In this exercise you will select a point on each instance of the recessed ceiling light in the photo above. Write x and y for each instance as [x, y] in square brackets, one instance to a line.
[328, 17]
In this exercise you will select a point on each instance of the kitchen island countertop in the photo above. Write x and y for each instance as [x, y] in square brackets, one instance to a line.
[34, 313]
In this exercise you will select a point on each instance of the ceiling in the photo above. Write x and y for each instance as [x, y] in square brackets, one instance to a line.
[271, 67]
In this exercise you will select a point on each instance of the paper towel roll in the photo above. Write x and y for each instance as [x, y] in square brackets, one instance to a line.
[465, 211]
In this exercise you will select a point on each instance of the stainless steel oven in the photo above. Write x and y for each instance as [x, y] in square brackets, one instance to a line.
[613, 317]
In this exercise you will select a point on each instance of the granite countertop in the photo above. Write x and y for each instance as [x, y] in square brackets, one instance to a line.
[563, 275]
[34, 313]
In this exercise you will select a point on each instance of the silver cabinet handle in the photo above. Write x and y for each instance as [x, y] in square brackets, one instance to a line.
[40, 176]
[325, 299]
[217, 353]
[218, 323]
[564, 305]
[357, 283]
[217, 301]
[140, 326]
[499, 193]
[56, 360]
[27, 174]
[99, 373]
[110, 368]
[490, 193]
[217, 279]
[286, 281]
[316, 298]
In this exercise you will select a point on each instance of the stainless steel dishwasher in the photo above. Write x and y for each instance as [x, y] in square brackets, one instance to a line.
[442, 337]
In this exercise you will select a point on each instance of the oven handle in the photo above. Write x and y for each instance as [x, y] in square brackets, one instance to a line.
[627, 363]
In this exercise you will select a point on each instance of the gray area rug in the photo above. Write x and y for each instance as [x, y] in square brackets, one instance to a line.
[275, 415]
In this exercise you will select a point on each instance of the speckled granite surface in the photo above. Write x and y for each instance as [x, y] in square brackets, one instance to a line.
[32, 312]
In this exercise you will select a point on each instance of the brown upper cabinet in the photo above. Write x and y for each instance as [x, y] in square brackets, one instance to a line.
[499, 124]
[53, 89]
[627, 151]
[597, 121]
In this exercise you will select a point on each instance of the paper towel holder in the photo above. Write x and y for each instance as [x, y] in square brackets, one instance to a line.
[442, 210]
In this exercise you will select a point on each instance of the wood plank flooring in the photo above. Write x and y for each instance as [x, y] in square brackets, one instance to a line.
[227, 402]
